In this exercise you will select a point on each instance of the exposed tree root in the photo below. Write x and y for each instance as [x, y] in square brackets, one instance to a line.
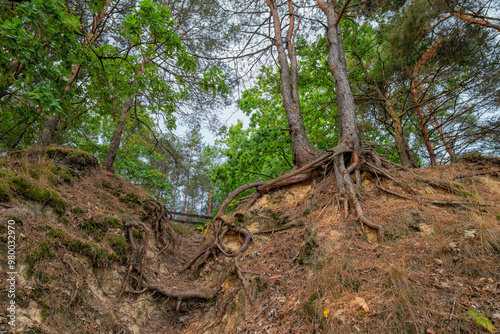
[145, 280]
[345, 163]
[161, 228]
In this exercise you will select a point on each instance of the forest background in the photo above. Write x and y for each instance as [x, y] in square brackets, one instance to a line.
[117, 78]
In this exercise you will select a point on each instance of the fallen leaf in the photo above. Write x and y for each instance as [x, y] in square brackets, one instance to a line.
[362, 303]
[430, 330]
[326, 312]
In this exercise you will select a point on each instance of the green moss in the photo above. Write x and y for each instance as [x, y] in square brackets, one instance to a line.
[5, 192]
[45, 310]
[137, 234]
[130, 198]
[77, 211]
[78, 246]
[481, 320]
[310, 246]
[118, 244]
[467, 194]
[34, 174]
[74, 156]
[306, 212]
[40, 252]
[39, 194]
[498, 217]
[94, 228]
[2, 174]
[309, 307]
[261, 283]
[309, 249]
[98, 255]
[109, 188]
[79, 299]
[57, 233]
[42, 277]
[113, 222]
[66, 174]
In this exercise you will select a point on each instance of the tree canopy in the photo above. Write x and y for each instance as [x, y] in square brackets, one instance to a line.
[415, 81]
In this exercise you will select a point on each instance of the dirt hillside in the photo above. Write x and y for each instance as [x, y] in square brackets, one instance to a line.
[96, 254]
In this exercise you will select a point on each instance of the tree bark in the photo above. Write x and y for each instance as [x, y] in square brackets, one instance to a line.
[449, 149]
[209, 209]
[187, 180]
[91, 37]
[117, 136]
[348, 130]
[303, 150]
[423, 129]
[470, 19]
[45, 136]
[400, 141]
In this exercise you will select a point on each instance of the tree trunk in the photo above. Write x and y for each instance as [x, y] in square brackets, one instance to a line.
[400, 141]
[303, 150]
[117, 136]
[44, 139]
[449, 149]
[348, 130]
[174, 193]
[187, 180]
[91, 37]
[209, 210]
[423, 129]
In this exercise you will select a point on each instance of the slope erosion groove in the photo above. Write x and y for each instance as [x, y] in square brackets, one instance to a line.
[292, 259]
